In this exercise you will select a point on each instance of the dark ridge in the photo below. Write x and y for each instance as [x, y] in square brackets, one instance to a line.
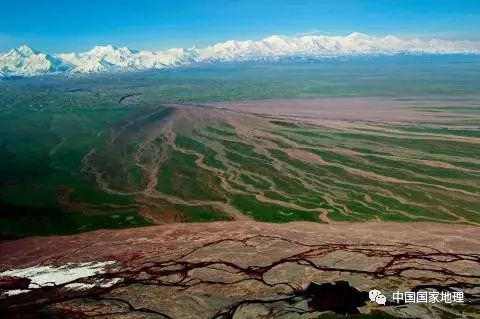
[127, 96]
[340, 297]
[8, 237]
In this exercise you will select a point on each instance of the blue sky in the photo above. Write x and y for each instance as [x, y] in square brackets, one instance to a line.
[64, 26]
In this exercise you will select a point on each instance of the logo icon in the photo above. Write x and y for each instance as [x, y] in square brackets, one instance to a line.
[376, 296]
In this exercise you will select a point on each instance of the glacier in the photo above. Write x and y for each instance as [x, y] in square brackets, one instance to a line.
[25, 61]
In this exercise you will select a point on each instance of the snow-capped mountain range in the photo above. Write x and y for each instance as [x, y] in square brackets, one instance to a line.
[24, 61]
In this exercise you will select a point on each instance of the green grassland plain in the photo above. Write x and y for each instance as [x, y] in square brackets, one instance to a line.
[127, 150]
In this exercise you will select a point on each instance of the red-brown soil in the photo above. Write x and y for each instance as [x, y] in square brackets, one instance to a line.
[246, 269]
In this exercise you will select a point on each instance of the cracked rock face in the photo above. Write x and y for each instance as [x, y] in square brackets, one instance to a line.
[243, 270]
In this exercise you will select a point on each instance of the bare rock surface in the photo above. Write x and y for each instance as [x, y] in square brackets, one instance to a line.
[241, 270]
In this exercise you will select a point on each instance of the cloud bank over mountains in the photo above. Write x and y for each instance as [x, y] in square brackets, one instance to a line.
[24, 61]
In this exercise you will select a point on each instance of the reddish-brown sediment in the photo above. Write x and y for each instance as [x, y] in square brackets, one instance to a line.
[223, 269]
[356, 109]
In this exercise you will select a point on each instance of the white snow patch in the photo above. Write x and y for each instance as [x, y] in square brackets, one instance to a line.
[85, 286]
[15, 292]
[53, 275]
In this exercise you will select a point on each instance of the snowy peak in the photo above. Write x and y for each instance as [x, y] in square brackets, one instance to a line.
[358, 35]
[109, 50]
[98, 59]
[26, 50]
[111, 58]
[103, 49]
[25, 61]
[22, 51]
